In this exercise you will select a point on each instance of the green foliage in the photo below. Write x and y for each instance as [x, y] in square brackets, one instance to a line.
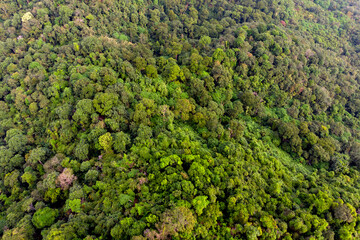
[82, 150]
[106, 141]
[91, 175]
[121, 141]
[121, 37]
[199, 203]
[172, 71]
[23, 230]
[151, 71]
[74, 205]
[44, 217]
[179, 119]
[29, 178]
[37, 155]
[166, 161]
[16, 140]
[177, 222]
[103, 102]
[205, 41]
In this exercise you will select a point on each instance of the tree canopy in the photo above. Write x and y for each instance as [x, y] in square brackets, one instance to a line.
[169, 119]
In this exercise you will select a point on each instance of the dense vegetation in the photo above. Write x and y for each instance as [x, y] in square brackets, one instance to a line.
[179, 119]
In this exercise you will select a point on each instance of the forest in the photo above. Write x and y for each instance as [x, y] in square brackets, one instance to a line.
[179, 119]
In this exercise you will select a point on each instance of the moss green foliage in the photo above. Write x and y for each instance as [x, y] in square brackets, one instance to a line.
[44, 217]
[168, 119]
[74, 205]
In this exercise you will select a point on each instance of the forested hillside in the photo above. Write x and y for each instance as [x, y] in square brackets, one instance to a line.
[179, 119]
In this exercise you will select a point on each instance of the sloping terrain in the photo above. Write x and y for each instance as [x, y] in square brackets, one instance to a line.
[179, 119]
